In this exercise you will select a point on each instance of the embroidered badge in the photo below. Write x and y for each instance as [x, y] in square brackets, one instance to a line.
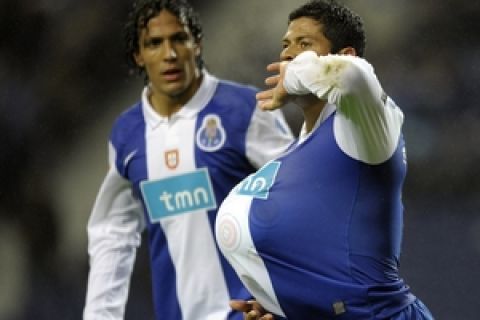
[171, 159]
[211, 135]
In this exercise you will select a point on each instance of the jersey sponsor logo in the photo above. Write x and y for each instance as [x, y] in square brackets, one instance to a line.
[178, 194]
[211, 135]
[258, 185]
[172, 159]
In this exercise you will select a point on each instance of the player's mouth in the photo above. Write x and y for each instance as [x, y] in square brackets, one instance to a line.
[172, 74]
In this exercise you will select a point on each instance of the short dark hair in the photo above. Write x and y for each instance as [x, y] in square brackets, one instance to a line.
[341, 26]
[144, 10]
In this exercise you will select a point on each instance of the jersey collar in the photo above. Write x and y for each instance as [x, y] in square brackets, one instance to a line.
[326, 112]
[199, 100]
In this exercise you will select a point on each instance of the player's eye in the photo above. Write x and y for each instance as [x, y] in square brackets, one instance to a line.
[153, 42]
[305, 44]
[180, 37]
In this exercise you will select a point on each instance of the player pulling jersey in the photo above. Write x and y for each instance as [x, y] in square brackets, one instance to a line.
[178, 169]
[316, 233]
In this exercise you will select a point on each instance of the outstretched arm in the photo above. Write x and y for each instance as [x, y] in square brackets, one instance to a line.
[367, 125]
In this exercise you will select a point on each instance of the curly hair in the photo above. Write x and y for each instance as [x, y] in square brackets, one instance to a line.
[144, 10]
[341, 26]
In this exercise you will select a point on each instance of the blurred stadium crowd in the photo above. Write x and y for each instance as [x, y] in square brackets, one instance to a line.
[63, 78]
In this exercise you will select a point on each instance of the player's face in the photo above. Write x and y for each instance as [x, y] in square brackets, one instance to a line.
[304, 34]
[168, 51]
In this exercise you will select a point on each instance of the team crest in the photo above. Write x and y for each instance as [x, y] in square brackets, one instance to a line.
[172, 159]
[211, 135]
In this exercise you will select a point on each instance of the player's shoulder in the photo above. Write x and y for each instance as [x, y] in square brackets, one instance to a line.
[131, 114]
[129, 117]
[126, 122]
[235, 96]
[236, 89]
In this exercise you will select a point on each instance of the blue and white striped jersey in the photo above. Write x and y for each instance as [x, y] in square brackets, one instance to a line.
[168, 175]
[316, 233]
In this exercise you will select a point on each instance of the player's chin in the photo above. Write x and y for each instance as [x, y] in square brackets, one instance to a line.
[174, 89]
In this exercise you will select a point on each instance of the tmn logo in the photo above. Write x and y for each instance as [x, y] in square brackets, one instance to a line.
[258, 185]
[178, 194]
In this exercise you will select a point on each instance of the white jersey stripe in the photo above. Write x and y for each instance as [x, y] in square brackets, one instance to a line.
[233, 234]
[189, 237]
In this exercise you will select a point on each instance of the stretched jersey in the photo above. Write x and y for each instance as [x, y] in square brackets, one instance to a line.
[316, 233]
[168, 175]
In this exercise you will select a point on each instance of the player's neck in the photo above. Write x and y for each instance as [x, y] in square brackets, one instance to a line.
[167, 105]
[311, 114]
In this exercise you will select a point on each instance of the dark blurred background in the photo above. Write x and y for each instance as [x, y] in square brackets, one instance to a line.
[63, 80]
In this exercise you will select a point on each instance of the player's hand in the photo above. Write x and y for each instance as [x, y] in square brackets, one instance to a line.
[251, 309]
[277, 96]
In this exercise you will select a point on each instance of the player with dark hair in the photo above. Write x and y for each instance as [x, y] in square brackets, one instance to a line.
[173, 157]
[316, 233]
[143, 11]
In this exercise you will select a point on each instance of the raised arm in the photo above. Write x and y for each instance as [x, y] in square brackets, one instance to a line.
[367, 123]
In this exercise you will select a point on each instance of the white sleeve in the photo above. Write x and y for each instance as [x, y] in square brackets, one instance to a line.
[367, 124]
[114, 233]
[267, 137]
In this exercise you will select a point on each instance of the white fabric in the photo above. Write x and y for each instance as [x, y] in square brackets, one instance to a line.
[114, 231]
[367, 124]
[234, 238]
[190, 239]
[263, 143]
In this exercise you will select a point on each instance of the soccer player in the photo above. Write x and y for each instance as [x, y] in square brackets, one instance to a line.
[173, 157]
[316, 233]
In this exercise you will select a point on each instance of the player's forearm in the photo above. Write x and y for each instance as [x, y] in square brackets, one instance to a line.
[112, 250]
[108, 283]
[114, 233]
[332, 77]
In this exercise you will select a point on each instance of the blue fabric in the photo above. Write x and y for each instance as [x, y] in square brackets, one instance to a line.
[335, 240]
[415, 311]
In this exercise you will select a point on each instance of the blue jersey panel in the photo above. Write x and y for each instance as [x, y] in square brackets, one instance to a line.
[128, 139]
[329, 247]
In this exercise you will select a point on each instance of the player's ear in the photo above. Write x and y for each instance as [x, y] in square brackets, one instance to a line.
[198, 49]
[139, 59]
[348, 51]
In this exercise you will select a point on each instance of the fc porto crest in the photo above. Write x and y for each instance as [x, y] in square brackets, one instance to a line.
[211, 135]
[171, 159]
